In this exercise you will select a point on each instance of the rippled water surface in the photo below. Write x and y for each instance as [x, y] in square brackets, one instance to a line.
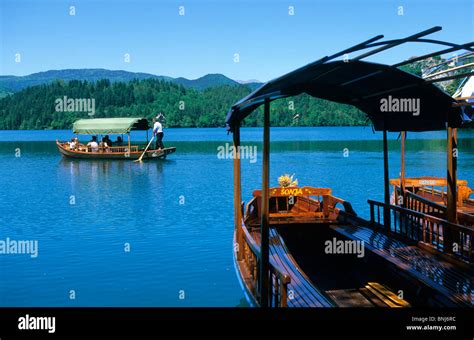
[175, 215]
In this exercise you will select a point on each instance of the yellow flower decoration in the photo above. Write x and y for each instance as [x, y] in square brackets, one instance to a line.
[287, 181]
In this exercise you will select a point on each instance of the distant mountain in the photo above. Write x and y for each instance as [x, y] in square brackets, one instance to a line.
[15, 84]
[209, 80]
[251, 81]
[10, 84]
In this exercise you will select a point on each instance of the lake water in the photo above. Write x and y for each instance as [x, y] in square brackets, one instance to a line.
[176, 215]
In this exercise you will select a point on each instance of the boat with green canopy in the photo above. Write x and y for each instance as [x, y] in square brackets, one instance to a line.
[116, 150]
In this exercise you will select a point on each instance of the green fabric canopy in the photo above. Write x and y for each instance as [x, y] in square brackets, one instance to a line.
[109, 126]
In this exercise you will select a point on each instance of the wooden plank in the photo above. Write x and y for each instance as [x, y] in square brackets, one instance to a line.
[350, 298]
[305, 294]
[425, 181]
[402, 165]
[237, 193]
[421, 265]
[386, 215]
[300, 282]
[452, 189]
[386, 293]
[264, 226]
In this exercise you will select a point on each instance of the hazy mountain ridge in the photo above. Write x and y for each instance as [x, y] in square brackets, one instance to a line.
[11, 84]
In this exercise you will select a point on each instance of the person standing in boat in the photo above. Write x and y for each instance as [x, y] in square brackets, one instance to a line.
[158, 131]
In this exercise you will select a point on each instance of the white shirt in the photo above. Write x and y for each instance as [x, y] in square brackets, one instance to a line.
[157, 127]
[94, 146]
[72, 145]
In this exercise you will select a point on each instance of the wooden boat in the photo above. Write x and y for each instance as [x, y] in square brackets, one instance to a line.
[113, 152]
[429, 195]
[299, 218]
[111, 126]
[287, 238]
[447, 198]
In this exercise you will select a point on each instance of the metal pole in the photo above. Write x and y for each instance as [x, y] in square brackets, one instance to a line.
[237, 193]
[264, 253]
[386, 211]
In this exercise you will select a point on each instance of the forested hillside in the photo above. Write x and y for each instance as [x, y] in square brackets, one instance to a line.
[34, 107]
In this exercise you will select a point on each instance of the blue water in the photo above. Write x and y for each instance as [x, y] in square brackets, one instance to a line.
[248, 134]
[176, 214]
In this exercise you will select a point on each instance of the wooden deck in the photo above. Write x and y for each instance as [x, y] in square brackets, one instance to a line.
[302, 292]
[455, 283]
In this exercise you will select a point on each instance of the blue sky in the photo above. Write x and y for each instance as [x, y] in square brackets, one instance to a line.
[269, 41]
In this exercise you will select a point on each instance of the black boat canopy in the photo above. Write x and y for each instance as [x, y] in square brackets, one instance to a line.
[393, 99]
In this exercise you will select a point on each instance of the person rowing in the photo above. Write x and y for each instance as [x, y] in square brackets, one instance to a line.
[158, 131]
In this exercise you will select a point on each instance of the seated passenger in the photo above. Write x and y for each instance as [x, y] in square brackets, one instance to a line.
[94, 147]
[107, 140]
[73, 144]
[119, 141]
[103, 146]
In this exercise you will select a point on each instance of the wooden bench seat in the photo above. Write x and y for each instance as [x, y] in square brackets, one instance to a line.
[455, 283]
[373, 294]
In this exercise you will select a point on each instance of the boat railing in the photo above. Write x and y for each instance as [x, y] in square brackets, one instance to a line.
[418, 203]
[464, 193]
[279, 280]
[421, 227]
[436, 187]
[124, 148]
[119, 148]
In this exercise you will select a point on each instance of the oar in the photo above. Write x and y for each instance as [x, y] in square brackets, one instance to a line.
[149, 143]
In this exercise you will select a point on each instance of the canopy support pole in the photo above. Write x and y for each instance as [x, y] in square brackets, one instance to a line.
[386, 211]
[129, 150]
[402, 165]
[237, 194]
[452, 189]
[264, 242]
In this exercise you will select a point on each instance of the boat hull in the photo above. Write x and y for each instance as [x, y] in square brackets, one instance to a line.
[150, 154]
[249, 297]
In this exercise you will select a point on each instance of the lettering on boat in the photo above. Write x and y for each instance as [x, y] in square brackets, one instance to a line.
[291, 191]
[427, 182]
[336, 246]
